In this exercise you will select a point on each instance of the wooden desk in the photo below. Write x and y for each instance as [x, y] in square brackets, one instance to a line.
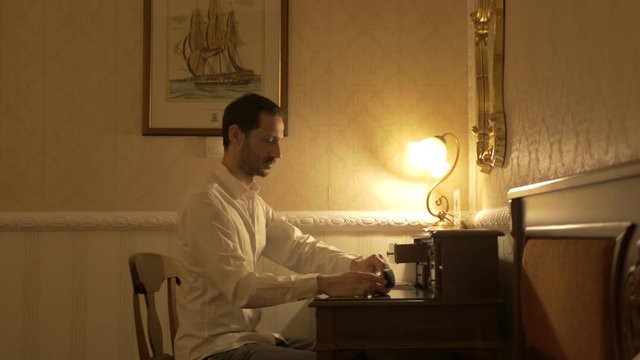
[407, 321]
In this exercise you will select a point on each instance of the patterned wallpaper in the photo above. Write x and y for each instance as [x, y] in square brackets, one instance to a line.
[572, 95]
[366, 77]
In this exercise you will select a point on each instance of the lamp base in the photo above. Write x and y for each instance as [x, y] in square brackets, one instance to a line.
[444, 222]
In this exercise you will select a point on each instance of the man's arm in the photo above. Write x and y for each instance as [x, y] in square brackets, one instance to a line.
[302, 253]
[213, 249]
[288, 246]
[348, 275]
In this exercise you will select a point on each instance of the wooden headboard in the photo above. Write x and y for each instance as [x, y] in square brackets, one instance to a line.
[601, 205]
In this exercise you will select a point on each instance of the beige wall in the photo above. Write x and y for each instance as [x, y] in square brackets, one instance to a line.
[572, 91]
[366, 76]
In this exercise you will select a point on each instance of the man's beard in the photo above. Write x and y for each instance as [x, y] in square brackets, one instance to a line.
[253, 165]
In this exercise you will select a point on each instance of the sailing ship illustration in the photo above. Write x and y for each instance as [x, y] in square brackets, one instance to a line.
[210, 49]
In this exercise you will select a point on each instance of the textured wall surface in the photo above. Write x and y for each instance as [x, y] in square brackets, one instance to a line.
[572, 95]
[366, 76]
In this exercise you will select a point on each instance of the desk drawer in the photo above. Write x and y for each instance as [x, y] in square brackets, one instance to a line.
[420, 326]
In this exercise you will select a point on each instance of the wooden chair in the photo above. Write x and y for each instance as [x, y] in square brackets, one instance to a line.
[148, 273]
[575, 267]
[567, 305]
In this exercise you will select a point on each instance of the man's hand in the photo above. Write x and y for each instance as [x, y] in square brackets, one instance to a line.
[351, 283]
[373, 264]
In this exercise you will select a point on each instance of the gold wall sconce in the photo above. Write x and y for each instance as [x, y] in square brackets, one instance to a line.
[490, 129]
[431, 154]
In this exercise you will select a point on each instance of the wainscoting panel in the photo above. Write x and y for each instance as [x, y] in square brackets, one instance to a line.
[67, 290]
[19, 281]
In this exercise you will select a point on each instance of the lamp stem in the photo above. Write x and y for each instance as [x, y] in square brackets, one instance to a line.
[442, 214]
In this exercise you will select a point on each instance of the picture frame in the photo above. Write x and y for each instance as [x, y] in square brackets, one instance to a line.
[199, 55]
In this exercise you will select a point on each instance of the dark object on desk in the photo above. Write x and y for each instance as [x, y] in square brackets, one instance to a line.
[454, 265]
[389, 277]
[379, 295]
[390, 282]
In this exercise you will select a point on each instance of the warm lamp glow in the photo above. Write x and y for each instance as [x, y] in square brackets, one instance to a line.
[429, 154]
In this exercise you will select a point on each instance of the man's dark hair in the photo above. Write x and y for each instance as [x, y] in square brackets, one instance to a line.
[245, 112]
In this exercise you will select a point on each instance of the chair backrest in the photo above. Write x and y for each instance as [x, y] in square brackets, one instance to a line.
[148, 273]
[576, 266]
[565, 298]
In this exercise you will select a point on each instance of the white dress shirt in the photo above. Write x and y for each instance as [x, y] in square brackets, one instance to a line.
[223, 229]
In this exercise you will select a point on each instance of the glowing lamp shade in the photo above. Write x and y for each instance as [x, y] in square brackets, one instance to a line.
[429, 154]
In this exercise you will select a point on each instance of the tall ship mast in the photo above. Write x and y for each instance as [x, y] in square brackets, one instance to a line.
[210, 49]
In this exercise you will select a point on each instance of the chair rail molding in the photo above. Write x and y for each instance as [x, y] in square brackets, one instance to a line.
[326, 221]
[87, 221]
[496, 218]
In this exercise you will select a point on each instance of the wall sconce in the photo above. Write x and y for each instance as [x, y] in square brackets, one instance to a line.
[490, 129]
[431, 154]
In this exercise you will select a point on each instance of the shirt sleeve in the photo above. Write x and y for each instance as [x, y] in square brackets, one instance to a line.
[211, 248]
[288, 246]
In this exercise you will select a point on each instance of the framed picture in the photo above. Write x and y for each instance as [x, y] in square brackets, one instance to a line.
[199, 55]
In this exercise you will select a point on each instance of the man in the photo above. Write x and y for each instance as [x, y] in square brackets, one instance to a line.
[226, 227]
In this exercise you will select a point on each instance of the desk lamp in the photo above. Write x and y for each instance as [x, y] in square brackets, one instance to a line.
[431, 154]
[442, 253]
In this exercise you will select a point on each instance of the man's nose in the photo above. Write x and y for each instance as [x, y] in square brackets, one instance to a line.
[275, 151]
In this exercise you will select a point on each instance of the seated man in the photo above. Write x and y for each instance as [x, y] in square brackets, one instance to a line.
[224, 229]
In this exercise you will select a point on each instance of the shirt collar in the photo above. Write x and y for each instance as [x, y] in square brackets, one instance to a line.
[235, 187]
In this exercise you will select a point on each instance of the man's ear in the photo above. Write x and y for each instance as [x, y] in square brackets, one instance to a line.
[235, 134]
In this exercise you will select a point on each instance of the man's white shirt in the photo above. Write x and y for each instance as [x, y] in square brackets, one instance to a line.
[224, 228]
